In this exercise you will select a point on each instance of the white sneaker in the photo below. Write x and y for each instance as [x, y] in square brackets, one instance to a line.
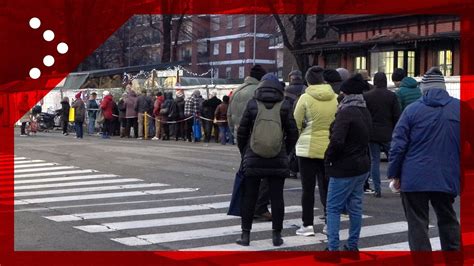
[305, 231]
[140, 138]
[325, 229]
[155, 138]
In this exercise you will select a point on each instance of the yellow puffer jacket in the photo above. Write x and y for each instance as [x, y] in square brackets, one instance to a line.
[316, 109]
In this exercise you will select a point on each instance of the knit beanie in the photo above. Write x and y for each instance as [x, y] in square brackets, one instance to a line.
[270, 76]
[380, 80]
[354, 85]
[78, 95]
[257, 72]
[433, 79]
[314, 75]
[331, 75]
[295, 75]
[344, 73]
[398, 74]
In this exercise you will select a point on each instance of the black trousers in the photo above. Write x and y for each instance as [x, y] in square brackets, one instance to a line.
[132, 122]
[23, 128]
[178, 130]
[312, 170]
[250, 191]
[65, 125]
[263, 197]
[108, 129]
[415, 205]
[188, 128]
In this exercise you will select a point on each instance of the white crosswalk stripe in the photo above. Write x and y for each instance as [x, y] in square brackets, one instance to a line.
[435, 245]
[108, 211]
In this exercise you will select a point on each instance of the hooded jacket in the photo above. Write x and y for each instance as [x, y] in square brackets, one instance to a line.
[316, 108]
[238, 101]
[294, 90]
[130, 103]
[143, 104]
[209, 107]
[425, 151]
[408, 92]
[107, 107]
[80, 110]
[253, 165]
[385, 111]
[179, 101]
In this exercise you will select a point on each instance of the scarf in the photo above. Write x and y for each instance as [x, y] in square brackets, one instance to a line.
[352, 100]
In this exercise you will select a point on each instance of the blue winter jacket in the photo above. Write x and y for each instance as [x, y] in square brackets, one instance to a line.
[425, 146]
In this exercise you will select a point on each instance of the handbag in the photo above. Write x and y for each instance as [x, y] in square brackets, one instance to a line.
[197, 129]
[72, 114]
[235, 201]
[100, 117]
[164, 111]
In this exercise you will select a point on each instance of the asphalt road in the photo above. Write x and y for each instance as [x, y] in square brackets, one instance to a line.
[126, 194]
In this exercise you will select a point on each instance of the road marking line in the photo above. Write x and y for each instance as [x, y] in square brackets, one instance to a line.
[104, 195]
[34, 165]
[298, 241]
[73, 184]
[88, 189]
[44, 169]
[54, 179]
[19, 158]
[110, 227]
[403, 246]
[136, 212]
[150, 239]
[121, 203]
[57, 173]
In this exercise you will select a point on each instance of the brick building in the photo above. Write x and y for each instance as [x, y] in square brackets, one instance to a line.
[225, 44]
[385, 42]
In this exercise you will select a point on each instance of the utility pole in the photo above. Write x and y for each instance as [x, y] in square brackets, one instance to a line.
[254, 36]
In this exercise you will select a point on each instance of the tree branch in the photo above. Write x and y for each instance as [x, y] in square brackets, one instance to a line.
[283, 32]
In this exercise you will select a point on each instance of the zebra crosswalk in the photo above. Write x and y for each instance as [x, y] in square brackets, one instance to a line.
[135, 213]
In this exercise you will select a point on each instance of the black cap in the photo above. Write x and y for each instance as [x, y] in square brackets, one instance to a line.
[398, 74]
[380, 80]
[314, 75]
[355, 85]
[257, 72]
[331, 75]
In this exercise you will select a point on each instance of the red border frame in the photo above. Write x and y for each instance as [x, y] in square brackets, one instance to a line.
[84, 25]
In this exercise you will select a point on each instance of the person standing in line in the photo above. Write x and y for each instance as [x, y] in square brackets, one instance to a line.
[179, 126]
[269, 95]
[315, 109]
[122, 114]
[165, 110]
[221, 116]
[208, 110]
[141, 107]
[131, 114]
[92, 108]
[150, 99]
[384, 109]
[65, 107]
[347, 162]
[156, 111]
[295, 88]
[107, 110]
[424, 163]
[192, 108]
[397, 76]
[333, 78]
[79, 115]
[408, 92]
[235, 110]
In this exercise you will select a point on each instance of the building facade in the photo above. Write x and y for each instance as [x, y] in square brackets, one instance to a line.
[383, 43]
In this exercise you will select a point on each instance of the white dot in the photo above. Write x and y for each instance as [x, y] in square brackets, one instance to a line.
[48, 60]
[35, 73]
[62, 48]
[48, 35]
[35, 23]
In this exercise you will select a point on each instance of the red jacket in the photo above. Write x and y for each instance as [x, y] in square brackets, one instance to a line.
[107, 107]
[157, 106]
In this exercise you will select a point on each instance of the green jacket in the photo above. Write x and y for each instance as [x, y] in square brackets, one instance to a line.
[408, 92]
[238, 102]
[316, 108]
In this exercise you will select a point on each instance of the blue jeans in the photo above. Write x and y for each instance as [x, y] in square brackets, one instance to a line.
[224, 133]
[345, 192]
[375, 149]
[91, 125]
[79, 129]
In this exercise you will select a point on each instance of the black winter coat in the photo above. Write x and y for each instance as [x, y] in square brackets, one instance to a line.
[209, 107]
[385, 111]
[348, 151]
[252, 164]
[179, 101]
[122, 108]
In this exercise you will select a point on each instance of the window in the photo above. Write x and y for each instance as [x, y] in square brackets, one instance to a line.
[229, 22]
[228, 72]
[216, 21]
[228, 48]
[333, 61]
[241, 21]
[216, 73]
[445, 62]
[382, 62]
[216, 49]
[241, 72]
[410, 64]
[242, 46]
[360, 63]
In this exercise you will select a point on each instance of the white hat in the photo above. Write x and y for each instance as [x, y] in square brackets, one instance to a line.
[106, 93]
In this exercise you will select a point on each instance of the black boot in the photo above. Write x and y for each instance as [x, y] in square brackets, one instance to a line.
[276, 238]
[244, 238]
